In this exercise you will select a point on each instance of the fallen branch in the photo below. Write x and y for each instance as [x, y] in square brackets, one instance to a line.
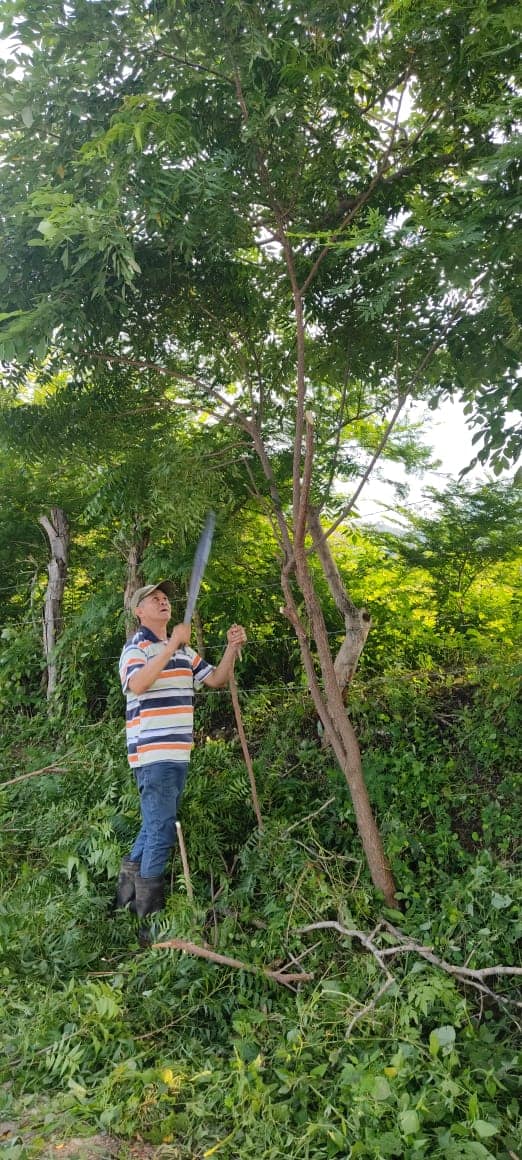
[405, 945]
[190, 948]
[467, 974]
[34, 773]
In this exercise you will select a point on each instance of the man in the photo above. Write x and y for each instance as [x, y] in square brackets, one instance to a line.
[157, 673]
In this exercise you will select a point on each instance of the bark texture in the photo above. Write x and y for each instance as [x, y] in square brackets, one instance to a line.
[357, 621]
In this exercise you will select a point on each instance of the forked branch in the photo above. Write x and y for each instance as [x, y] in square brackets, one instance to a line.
[404, 945]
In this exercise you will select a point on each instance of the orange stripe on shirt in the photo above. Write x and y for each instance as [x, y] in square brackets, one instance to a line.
[168, 711]
[185, 745]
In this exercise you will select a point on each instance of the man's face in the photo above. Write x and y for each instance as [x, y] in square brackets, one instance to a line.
[155, 607]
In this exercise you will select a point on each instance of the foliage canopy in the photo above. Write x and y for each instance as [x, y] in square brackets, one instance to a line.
[161, 162]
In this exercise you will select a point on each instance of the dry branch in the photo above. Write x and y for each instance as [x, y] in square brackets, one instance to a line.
[33, 773]
[286, 978]
[467, 974]
[308, 817]
[405, 945]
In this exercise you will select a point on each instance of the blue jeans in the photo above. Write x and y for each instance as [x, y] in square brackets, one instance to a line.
[160, 787]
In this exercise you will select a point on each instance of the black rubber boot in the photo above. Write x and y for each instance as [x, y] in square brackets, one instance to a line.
[150, 895]
[126, 888]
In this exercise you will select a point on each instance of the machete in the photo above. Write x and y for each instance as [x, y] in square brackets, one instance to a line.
[199, 565]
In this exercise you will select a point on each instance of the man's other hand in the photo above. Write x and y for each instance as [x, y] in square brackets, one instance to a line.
[236, 637]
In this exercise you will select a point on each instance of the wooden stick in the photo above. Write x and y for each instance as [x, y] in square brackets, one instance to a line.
[190, 948]
[184, 860]
[244, 746]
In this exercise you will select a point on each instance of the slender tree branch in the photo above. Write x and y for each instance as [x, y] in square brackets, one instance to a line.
[183, 60]
[297, 299]
[340, 427]
[380, 448]
[246, 751]
[308, 817]
[300, 526]
[34, 773]
[290, 611]
[261, 451]
[424, 362]
[144, 364]
[383, 165]
[345, 606]
[206, 388]
[239, 348]
[469, 974]
[368, 1007]
[365, 939]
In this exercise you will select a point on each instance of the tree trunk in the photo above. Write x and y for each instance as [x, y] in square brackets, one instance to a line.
[134, 560]
[328, 700]
[57, 531]
[357, 621]
[329, 704]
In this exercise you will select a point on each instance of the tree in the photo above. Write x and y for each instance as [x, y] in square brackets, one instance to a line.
[469, 531]
[287, 212]
[56, 529]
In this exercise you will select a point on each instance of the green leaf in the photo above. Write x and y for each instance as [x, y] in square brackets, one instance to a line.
[381, 1089]
[409, 1122]
[27, 116]
[46, 227]
[485, 1128]
[442, 1037]
[500, 901]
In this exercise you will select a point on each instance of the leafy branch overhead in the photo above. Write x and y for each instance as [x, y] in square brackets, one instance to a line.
[161, 164]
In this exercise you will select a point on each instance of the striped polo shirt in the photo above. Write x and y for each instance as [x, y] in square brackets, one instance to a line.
[160, 721]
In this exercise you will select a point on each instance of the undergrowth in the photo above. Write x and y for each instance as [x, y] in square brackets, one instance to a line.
[97, 1033]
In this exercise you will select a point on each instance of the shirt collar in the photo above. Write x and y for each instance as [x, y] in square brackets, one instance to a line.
[145, 633]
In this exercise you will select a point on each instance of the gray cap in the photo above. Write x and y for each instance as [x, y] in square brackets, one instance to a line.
[166, 586]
